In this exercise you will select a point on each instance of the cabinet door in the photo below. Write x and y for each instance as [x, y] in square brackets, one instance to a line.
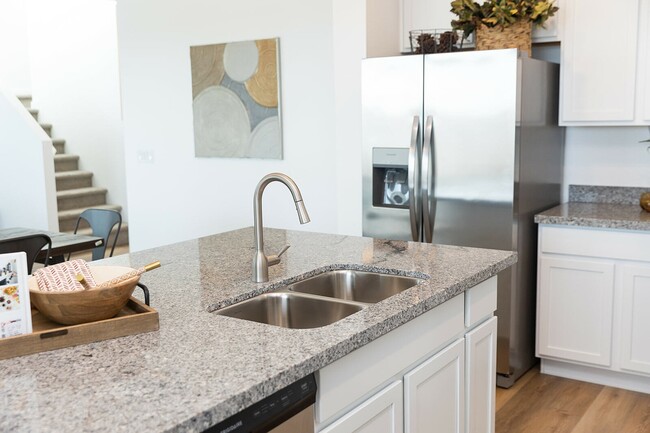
[574, 312]
[552, 30]
[480, 377]
[644, 61]
[434, 391]
[599, 58]
[424, 15]
[382, 413]
[635, 317]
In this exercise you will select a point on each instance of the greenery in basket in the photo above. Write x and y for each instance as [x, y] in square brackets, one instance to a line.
[500, 13]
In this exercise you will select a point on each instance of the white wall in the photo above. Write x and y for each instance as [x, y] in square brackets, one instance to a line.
[609, 156]
[28, 194]
[175, 196]
[75, 84]
[14, 53]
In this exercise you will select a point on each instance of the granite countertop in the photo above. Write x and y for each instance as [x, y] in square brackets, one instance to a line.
[200, 368]
[600, 207]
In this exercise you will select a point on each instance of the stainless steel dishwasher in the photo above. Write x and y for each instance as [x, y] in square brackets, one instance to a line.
[290, 410]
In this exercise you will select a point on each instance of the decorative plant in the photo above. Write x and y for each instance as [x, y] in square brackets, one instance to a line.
[500, 13]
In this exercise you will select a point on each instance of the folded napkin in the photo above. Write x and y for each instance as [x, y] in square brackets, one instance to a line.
[63, 277]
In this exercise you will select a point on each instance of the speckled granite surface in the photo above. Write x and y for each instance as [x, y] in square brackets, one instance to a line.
[200, 368]
[597, 215]
[605, 194]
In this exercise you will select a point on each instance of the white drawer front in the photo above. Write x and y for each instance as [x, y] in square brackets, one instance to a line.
[480, 302]
[614, 244]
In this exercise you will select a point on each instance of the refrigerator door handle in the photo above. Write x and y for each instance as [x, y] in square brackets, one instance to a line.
[415, 210]
[428, 181]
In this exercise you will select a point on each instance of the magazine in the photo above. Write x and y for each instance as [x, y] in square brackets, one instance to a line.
[15, 313]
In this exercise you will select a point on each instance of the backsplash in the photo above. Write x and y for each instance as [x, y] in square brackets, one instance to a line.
[605, 194]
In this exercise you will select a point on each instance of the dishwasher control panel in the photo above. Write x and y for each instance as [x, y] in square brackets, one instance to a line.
[272, 410]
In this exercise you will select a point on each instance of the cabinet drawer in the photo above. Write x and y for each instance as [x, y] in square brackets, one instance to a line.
[355, 376]
[590, 242]
[480, 302]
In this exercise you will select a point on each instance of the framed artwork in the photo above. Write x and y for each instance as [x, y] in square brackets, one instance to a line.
[236, 99]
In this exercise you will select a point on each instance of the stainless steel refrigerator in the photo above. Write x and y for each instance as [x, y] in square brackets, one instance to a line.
[463, 149]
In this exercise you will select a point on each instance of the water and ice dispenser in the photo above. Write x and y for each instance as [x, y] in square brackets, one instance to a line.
[390, 177]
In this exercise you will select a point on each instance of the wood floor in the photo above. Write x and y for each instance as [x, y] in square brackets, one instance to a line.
[539, 403]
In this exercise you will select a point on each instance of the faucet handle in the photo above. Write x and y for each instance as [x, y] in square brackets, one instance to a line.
[274, 259]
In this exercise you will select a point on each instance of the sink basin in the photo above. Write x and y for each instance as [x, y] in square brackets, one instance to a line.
[291, 310]
[358, 286]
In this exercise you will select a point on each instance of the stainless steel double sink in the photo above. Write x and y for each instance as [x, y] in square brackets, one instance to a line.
[320, 300]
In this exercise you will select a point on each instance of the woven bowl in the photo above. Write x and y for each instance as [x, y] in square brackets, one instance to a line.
[73, 308]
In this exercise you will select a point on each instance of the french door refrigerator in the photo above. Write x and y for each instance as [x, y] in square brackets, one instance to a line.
[463, 149]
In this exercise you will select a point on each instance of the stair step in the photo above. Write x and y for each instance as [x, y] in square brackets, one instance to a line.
[68, 218]
[59, 145]
[74, 179]
[66, 162]
[81, 197]
[34, 113]
[47, 127]
[26, 100]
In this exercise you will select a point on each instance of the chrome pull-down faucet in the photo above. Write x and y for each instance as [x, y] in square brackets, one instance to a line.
[261, 261]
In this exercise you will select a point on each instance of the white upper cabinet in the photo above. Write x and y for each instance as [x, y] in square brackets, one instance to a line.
[552, 30]
[422, 15]
[604, 63]
[643, 104]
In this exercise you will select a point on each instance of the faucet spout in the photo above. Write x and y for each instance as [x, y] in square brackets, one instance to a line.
[261, 261]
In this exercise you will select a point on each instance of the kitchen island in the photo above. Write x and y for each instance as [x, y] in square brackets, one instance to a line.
[200, 368]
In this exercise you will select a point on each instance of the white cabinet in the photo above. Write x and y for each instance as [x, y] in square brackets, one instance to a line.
[480, 380]
[593, 305]
[552, 30]
[635, 317]
[427, 355]
[575, 309]
[434, 393]
[603, 68]
[424, 14]
[382, 413]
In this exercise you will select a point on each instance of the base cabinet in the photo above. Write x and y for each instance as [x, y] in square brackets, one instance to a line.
[635, 318]
[593, 305]
[480, 380]
[575, 309]
[425, 406]
[382, 413]
[424, 376]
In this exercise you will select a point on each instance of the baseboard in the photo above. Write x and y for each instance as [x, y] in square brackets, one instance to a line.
[615, 379]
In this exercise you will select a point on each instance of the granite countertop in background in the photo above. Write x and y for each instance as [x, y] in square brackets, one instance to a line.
[600, 207]
[200, 368]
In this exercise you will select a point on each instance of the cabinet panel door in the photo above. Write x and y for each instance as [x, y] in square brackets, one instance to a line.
[480, 377]
[599, 57]
[575, 308]
[644, 61]
[382, 413]
[635, 318]
[434, 391]
[552, 30]
[424, 15]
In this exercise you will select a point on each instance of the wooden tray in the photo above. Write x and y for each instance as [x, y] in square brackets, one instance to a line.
[136, 317]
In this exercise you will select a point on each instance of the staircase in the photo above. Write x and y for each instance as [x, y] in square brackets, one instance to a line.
[74, 188]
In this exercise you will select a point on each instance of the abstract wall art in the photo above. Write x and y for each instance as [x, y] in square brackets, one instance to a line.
[236, 100]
